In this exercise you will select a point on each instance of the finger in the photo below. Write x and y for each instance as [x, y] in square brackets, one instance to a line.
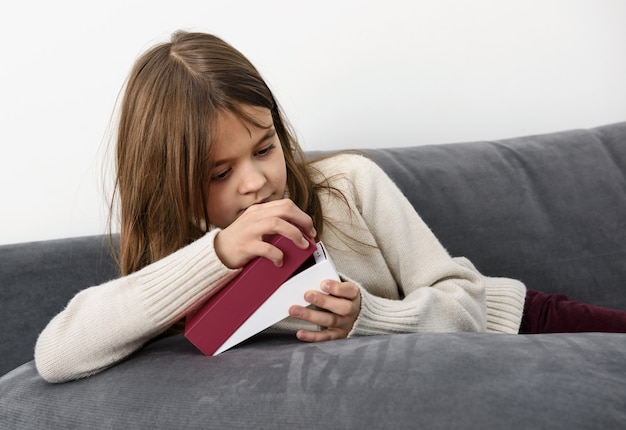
[320, 336]
[335, 305]
[298, 217]
[346, 290]
[291, 232]
[234, 256]
[245, 238]
[275, 223]
[269, 251]
[289, 211]
[317, 317]
[266, 250]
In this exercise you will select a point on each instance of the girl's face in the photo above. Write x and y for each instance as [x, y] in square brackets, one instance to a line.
[249, 165]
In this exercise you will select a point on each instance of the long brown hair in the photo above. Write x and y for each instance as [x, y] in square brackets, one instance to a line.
[165, 138]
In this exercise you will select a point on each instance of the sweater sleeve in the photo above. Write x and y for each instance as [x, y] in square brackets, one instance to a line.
[437, 293]
[102, 325]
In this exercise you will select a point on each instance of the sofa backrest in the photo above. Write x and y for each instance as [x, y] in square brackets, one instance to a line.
[549, 210]
[37, 280]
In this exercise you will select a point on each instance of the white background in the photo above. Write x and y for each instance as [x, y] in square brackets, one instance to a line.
[348, 73]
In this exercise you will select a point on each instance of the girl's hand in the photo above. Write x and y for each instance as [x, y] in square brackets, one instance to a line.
[242, 240]
[340, 306]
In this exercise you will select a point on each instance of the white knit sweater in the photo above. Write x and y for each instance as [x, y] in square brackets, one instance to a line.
[408, 281]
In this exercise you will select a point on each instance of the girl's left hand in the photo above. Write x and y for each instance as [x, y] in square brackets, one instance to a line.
[339, 310]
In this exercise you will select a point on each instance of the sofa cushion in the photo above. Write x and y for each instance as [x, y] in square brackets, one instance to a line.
[37, 279]
[548, 209]
[460, 380]
[545, 209]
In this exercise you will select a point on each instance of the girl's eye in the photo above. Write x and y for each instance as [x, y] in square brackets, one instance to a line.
[266, 150]
[221, 175]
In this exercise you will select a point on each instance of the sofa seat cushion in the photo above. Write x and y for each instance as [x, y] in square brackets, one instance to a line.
[393, 381]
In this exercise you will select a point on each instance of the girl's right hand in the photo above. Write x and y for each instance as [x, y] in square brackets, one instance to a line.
[242, 240]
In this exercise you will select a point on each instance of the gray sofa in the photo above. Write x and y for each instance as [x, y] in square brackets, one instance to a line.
[548, 209]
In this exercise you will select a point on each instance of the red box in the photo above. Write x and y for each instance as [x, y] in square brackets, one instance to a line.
[217, 319]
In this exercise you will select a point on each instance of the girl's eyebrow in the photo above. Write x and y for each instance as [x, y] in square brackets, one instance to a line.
[271, 132]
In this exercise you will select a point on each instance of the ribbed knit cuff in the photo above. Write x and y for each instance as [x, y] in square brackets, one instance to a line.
[505, 304]
[173, 286]
[382, 316]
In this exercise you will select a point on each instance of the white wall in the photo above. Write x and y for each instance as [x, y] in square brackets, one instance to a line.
[349, 74]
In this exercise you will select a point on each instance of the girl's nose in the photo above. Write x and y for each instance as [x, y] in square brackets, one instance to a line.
[253, 179]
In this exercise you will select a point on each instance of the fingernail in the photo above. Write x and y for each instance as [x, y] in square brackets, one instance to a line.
[304, 242]
[309, 297]
[313, 232]
[325, 286]
[295, 312]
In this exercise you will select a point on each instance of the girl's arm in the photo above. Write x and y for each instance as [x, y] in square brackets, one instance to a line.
[104, 324]
[433, 291]
[441, 294]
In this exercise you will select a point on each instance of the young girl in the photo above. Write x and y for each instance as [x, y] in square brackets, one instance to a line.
[207, 167]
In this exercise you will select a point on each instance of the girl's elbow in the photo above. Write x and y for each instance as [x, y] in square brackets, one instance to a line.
[53, 360]
[47, 361]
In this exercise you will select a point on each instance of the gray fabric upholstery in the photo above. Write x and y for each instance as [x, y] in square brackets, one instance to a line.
[402, 381]
[546, 209]
[37, 280]
[549, 210]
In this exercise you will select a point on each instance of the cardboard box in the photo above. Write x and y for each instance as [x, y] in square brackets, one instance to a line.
[259, 297]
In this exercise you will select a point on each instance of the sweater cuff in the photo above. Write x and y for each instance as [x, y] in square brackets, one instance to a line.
[381, 316]
[172, 287]
[505, 304]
